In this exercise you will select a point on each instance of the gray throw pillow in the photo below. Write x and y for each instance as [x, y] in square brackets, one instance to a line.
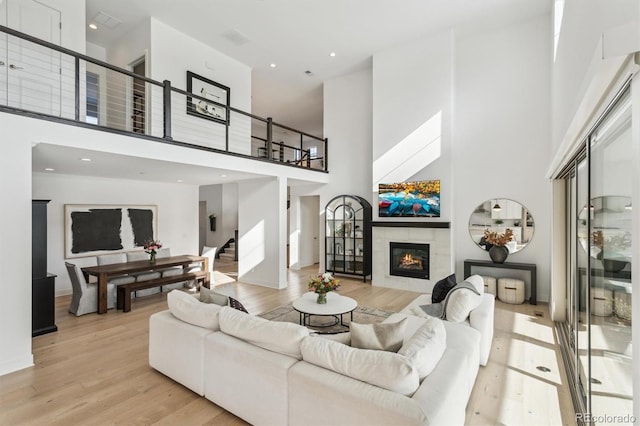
[383, 337]
[208, 295]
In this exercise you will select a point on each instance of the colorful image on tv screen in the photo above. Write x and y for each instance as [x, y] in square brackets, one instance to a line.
[409, 199]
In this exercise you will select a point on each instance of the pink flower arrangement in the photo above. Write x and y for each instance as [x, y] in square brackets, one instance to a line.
[152, 246]
[323, 283]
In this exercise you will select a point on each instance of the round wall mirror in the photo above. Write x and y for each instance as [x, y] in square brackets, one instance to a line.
[498, 215]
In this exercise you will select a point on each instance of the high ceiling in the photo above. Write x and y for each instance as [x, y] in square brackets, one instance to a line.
[300, 35]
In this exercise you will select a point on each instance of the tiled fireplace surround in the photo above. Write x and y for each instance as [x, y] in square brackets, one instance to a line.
[436, 234]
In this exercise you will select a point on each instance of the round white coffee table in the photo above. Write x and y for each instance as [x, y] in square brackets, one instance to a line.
[336, 307]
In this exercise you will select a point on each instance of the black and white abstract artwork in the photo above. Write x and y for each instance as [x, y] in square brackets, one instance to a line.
[92, 230]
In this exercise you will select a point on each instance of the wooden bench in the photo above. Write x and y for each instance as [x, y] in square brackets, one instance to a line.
[124, 290]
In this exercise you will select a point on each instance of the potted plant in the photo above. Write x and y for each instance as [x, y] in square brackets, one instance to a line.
[212, 221]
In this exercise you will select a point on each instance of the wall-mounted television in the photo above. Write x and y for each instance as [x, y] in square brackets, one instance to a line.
[409, 199]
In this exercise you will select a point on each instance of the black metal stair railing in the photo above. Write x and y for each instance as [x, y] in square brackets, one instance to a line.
[46, 81]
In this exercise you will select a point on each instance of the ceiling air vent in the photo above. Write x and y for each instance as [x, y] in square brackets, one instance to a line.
[236, 37]
[106, 21]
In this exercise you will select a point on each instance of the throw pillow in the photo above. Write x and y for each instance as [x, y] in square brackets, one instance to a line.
[427, 345]
[189, 309]
[442, 287]
[382, 337]
[386, 370]
[208, 295]
[275, 336]
[460, 304]
[235, 304]
[477, 281]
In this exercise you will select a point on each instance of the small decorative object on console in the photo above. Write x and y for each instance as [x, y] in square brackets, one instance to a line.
[151, 247]
[322, 284]
[498, 251]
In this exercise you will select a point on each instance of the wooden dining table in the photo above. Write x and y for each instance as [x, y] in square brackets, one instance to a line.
[104, 272]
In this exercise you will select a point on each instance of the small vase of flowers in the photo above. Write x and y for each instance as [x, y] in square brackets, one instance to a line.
[322, 284]
[498, 241]
[151, 247]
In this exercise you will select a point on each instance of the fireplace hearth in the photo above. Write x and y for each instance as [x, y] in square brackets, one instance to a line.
[409, 260]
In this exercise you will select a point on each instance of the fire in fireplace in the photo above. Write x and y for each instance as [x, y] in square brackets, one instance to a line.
[409, 260]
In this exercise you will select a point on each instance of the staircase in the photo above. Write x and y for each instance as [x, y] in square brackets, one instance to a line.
[228, 253]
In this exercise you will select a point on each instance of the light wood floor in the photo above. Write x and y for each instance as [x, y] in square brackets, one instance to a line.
[94, 369]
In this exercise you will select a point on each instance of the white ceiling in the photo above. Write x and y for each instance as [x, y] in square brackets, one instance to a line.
[299, 35]
[296, 35]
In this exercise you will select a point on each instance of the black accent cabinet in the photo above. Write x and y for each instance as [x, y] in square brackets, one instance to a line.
[43, 286]
[348, 238]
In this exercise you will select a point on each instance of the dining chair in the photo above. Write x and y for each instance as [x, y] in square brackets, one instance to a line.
[85, 295]
[143, 276]
[110, 259]
[170, 272]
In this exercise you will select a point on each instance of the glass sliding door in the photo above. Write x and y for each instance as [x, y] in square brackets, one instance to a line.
[583, 212]
[596, 337]
[610, 263]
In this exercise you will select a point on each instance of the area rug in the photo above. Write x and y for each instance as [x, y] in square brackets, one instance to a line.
[361, 315]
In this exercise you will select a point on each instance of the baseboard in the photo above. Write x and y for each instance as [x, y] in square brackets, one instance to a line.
[16, 364]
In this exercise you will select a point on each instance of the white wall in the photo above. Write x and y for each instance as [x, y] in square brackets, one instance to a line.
[212, 195]
[262, 232]
[177, 213]
[223, 201]
[122, 53]
[15, 167]
[15, 257]
[348, 126]
[501, 130]
[229, 212]
[172, 55]
[583, 22]
[412, 98]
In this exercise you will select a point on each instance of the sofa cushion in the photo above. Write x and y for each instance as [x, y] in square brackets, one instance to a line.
[426, 346]
[189, 309]
[382, 337]
[208, 295]
[384, 369]
[280, 337]
[442, 287]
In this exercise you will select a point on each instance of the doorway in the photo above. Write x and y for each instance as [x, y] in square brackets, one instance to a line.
[309, 230]
[138, 100]
[31, 74]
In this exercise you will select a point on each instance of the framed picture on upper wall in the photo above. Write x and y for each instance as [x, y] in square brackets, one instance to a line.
[207, 89]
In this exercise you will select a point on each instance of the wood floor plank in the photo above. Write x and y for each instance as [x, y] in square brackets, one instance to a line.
[95, 370]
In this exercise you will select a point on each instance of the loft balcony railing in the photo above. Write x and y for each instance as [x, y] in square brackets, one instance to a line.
[46, 81]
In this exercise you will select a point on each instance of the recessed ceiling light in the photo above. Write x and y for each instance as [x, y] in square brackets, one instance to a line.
[332, 54]
[49, 169]
[223, 176]
[179, 180]
[93, 26]
[272, 65]
[85, 159]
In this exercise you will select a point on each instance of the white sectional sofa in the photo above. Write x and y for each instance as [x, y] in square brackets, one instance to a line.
[258, 371]
[480, 318]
